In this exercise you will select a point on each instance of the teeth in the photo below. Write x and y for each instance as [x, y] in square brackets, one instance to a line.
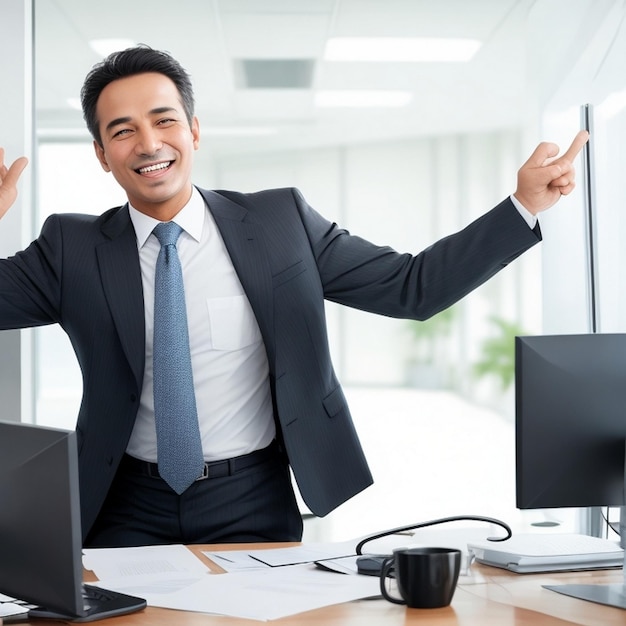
[154, 168]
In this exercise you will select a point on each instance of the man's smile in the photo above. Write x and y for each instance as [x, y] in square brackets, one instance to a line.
[155, 167]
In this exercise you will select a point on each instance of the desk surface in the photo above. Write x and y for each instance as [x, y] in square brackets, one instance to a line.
[486, 596]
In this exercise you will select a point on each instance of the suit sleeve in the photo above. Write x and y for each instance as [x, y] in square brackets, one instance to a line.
[30, 281]
[378, 279]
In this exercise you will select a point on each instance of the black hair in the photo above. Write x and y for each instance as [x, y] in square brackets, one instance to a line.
[137, 60]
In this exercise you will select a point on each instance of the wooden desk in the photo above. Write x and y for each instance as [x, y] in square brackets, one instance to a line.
[487, 596]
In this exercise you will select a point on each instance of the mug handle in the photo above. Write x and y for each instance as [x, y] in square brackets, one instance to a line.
[385, 570]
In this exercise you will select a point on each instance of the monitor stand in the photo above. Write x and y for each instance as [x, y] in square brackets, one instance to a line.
[613, 594]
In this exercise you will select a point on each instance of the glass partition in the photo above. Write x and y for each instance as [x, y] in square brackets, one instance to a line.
[433, 402]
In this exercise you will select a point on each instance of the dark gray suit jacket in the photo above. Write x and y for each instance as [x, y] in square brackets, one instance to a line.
[83, 273]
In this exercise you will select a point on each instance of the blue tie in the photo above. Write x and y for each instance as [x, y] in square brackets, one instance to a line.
[179, 446]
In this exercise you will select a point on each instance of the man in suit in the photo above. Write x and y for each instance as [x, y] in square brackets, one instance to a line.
[257, 268]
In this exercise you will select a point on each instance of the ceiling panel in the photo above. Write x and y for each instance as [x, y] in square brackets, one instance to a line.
[210, 38]
[289, 36]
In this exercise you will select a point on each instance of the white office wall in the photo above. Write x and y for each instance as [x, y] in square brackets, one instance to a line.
[16, 51]
[69, 178]
[595, 77]
[576, 56]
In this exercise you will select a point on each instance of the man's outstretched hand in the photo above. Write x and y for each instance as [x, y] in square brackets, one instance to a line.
[545, 177]
[8, 181]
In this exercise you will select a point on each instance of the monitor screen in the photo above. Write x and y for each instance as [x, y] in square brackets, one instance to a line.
[570, 394]
[40, 533]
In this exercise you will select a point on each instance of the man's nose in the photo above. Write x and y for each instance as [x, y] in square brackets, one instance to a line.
[148, 142]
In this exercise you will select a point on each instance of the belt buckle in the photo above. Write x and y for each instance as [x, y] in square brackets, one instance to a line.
[205, 473]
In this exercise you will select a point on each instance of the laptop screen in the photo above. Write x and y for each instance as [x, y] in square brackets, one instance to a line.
[40, 527]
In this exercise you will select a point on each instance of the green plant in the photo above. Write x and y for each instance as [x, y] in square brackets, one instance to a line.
[498, 353]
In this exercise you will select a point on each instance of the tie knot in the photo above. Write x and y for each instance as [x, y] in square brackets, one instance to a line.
[167, 233]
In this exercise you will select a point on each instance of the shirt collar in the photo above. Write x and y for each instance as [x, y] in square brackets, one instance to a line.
[190, 218]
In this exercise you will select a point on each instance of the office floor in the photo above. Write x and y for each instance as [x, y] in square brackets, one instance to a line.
[433, 454]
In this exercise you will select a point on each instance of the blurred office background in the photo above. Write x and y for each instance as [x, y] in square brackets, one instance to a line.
[400, 145]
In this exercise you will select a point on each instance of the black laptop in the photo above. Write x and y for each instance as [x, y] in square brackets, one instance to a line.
[40, 531]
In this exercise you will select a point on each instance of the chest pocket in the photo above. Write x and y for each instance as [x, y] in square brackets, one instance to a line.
[232, 323]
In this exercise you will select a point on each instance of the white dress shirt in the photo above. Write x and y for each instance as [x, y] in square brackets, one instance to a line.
[228, 357]
[529, 218]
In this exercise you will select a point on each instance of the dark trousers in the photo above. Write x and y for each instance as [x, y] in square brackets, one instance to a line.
[252, 504]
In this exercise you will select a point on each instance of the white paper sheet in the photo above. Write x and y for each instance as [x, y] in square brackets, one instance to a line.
[172, 560]
[8, 609]
[343, 565]
[306, 553]
[173, 577]
[4, 598]
[235, 560]
[263, 594]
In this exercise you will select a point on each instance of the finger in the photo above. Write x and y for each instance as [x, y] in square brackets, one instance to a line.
[544, 151]
[14, 172]
[582, 137]
[3, 169]
[564, 189]
[562, 184]
[554, 173]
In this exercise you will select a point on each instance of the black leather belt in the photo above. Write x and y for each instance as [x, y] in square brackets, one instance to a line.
[212, 469]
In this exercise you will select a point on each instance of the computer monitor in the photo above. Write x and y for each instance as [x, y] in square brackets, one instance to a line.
[40, 527]
[570, 420]
[570, 396]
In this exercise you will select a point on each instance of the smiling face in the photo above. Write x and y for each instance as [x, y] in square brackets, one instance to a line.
[147, 142]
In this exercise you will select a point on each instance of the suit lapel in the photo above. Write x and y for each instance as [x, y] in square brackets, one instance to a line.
[121, 280]
[247, 248]
[121, 274]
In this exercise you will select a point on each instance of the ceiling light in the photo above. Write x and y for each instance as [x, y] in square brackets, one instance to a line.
[399, 49]
[362, 98]
[104, 47]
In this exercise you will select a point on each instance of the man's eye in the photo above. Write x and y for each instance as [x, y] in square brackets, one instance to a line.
[121, 132]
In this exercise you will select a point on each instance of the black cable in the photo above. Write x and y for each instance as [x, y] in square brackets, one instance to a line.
[614, 526]
[443, 520]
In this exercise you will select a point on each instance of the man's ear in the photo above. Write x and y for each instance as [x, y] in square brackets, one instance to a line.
[101, 156]
[195, 132]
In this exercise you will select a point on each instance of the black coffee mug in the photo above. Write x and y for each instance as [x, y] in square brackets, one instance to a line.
[426, 577]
